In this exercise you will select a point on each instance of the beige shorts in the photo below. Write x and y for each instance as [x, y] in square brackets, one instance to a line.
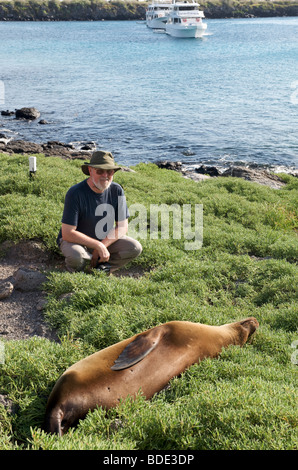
[77, 257]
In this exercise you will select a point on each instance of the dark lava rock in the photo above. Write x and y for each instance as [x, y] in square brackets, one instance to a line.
[6, 289]
[168, 165]
[258, 176]
[27, 113]
[7, 113]
[208, 170]
[57, 149]
[22, 146]
[28, 279]
[49, 149]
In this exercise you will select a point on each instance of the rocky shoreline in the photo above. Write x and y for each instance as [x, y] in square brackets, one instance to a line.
[203, 172]
[99, 10]
[21, 296]
[197, 172]
[49, 149]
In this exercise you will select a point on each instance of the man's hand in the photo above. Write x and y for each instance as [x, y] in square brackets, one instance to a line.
[100, 255]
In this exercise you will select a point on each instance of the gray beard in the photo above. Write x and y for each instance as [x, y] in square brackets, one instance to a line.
[100, 186]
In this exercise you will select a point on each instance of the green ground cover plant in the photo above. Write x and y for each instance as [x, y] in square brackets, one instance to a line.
[246, 399]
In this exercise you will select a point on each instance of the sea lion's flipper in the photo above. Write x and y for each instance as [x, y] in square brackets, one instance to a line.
[140, 347]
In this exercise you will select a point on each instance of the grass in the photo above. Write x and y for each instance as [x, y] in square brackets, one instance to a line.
[246, 399]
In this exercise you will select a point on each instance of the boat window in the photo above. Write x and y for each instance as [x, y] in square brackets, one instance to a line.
[187, 8]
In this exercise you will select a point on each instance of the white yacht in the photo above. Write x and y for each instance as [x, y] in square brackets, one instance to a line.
[157, 14]
[185, 20]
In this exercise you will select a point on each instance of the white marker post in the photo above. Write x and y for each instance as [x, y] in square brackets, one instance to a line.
[32, 166]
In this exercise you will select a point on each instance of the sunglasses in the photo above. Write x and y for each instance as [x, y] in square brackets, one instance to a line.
[102, 172]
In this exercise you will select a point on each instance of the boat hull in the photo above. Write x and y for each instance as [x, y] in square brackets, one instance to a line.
[157, 23]
[190, 31]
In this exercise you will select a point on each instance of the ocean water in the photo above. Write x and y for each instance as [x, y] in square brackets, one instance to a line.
[227, 98]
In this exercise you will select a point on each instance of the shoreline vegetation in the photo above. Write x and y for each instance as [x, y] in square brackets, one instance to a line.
[99, 10]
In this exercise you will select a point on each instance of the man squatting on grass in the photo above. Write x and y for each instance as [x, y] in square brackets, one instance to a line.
[95, 220]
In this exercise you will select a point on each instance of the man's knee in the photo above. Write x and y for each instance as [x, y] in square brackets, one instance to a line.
[75, 255]
[131, 249]
[137, 248]
[74, 262]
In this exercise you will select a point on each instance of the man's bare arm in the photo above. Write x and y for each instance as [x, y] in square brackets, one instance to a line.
[117, 232]
[70, 234]
[100, 251]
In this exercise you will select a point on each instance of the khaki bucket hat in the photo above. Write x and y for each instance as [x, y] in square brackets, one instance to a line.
[102, 160]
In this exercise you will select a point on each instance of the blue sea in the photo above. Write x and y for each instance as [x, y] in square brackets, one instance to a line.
[229, 98]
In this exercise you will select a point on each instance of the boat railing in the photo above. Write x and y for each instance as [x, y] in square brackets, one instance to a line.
[190, 14]
[174, 2]
[163, 2]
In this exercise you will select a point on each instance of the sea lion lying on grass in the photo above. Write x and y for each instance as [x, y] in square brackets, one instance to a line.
[145, 362]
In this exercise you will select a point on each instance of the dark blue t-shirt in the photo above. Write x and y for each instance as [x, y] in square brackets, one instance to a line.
[94, 214]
